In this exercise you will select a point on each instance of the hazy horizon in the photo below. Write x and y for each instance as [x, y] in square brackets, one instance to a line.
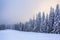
[15, 11]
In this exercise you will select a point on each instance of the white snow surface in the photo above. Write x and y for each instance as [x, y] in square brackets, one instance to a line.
[19, 35]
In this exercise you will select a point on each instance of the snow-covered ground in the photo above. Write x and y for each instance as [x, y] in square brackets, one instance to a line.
[19, 35]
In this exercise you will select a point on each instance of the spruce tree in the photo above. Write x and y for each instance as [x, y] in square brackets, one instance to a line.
[51, 19]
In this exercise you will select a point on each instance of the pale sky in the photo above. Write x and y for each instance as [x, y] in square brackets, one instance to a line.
[15, 11]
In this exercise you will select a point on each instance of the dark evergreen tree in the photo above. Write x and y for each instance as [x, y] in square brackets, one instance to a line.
[57, 20]
[47, 23]
[51, 19]
[38, 22]
[16, 27]
[43, 23]
[2, 27]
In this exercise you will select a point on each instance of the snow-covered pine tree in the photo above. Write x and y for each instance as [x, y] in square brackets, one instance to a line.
[51, 19]
[21, 26]
[16, 26]
[43, 23]
[26, 26]
[38, 22]
[57, 20]
[31, 25]
[47, 23]
[2, 27]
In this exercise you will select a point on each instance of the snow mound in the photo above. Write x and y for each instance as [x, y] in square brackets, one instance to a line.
[19, 35]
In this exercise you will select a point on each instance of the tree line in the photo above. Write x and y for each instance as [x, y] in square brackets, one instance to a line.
[44, 24]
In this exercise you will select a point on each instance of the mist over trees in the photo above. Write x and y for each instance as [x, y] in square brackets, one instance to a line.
[42, 23]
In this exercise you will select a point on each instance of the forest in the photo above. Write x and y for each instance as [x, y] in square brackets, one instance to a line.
[42, 23]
